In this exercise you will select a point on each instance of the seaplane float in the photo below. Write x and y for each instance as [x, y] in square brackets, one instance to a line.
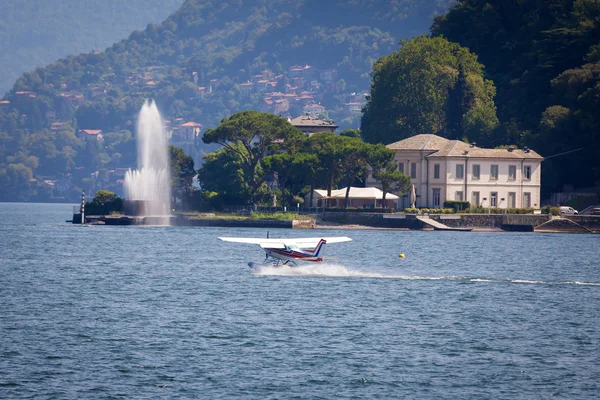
[289, 251]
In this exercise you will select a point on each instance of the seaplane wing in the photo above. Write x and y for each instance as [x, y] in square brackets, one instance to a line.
[289, 251]
[286, 243]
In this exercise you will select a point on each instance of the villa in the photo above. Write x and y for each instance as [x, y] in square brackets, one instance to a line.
[443, 169]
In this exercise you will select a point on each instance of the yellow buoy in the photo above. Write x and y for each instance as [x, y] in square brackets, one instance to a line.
[401, 255]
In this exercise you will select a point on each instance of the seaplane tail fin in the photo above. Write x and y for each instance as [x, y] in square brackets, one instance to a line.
[318, 250]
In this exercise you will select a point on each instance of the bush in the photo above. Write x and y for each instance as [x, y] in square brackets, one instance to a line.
[429, 210]
[112, 206]
[360, 210]
[495, 210]
[551, 210]
[457, 205]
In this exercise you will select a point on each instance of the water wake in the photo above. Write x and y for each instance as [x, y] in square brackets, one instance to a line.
[339, 271]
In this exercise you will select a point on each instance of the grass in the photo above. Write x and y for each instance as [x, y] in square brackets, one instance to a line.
[252, 216]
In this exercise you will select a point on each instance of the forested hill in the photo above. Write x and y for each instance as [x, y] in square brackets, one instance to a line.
[35, 33]
[206, 61]
[227, 43]
[544, 58]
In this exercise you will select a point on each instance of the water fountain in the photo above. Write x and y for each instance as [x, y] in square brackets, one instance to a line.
[147, 189]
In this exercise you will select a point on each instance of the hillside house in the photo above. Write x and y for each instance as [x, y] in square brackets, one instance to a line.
[354, 107]
[94, 134]
[186, 132]
[310, 125]
[443, 169]
[313, 109]
[245, 88]
[327, 75]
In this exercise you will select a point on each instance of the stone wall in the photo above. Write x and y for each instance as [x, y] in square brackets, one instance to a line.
[376, 220]
[591, 222]
[481, 221]
[477, 221]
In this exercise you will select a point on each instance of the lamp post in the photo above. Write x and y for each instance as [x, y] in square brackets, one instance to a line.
[82, 208]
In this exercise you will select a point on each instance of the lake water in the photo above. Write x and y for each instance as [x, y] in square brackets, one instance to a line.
[172, 312]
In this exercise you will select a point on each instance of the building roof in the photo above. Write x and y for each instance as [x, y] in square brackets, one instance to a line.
[92, 131]
[457, 148]
[442, 147]
[420, 142]
[310, 121]
[191, 124]
[314, 107]
[358, 193]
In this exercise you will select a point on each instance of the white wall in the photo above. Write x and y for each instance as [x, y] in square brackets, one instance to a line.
[449, 184]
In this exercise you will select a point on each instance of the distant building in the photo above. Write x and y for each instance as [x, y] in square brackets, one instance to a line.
[354, 107]
[327, 75]
[58, 125]
[443, 169]
[91, 133]
[245, 88]
[367, 197]
[313, 109]
[310, 125]
[186, 132]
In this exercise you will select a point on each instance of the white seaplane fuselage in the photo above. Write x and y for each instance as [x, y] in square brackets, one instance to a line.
[286, 251]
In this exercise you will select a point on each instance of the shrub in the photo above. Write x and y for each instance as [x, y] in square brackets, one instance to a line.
[551, 210]
[457, 205]
[104, 203]
[495, 210]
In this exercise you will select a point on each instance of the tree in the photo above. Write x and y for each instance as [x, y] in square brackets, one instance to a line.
[411, 93]
[355, 133]
[104, 203]
[103, 197]
[327, 147]
[258, 135]
[293, 171]
[385, 170]
[223, 172]
[392, 180]
[181, 167]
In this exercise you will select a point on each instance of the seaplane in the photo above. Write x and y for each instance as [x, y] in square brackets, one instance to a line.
[290, 251]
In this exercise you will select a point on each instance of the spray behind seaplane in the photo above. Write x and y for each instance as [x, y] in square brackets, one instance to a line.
[290, 251]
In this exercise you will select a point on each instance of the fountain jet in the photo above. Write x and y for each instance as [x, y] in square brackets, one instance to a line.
[149, 185]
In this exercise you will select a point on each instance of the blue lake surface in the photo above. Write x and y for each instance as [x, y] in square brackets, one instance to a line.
[172, 312]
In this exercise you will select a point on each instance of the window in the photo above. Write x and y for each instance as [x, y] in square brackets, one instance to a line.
[476, 170]
[512, 172]
[401, 167]
[526, 200]
[494, 171]
[494, 199]
[460, 171]
[436, 198]
[512, 200]
[475, 199]
[527, 172]
[458, 196]
[436, 171]
[413, 170]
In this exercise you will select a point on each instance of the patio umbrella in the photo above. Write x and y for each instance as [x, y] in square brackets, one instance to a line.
[413, 196]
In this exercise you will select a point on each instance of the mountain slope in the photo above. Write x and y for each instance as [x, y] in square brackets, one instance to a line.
[205, 62]
[35, 33]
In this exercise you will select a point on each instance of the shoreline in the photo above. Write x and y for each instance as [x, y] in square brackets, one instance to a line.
[363, 221]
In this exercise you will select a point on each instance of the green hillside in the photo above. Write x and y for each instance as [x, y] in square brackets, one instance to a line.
[205, 62]
[35, 33]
